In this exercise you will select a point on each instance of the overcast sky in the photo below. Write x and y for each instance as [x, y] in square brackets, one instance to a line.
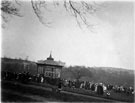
[111, 43]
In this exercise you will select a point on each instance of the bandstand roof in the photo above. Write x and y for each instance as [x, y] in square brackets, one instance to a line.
[50, 61]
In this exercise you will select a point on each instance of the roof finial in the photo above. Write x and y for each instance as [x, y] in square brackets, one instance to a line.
[50, 54]
[50, 57]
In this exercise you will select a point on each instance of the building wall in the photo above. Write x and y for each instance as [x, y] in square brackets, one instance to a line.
[18, 65]
[50, 71]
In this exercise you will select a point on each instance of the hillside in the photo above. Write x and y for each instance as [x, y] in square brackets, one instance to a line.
[107, 75]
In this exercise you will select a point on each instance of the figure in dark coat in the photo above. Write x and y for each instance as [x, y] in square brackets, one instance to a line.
[100, 90]
[93, 87]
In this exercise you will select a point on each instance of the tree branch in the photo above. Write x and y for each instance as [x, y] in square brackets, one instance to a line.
[36, 7]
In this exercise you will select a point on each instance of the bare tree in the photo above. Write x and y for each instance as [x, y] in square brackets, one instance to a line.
[9, 8]
[80, 72]
[78, 9]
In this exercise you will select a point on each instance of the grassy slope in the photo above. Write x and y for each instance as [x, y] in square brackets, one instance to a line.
[44, 93]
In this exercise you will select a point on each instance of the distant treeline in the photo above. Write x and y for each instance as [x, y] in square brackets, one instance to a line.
[106, 75]
[96, 74]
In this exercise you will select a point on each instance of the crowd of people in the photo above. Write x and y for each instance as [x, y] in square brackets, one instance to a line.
[99, 88]
[26, 77]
